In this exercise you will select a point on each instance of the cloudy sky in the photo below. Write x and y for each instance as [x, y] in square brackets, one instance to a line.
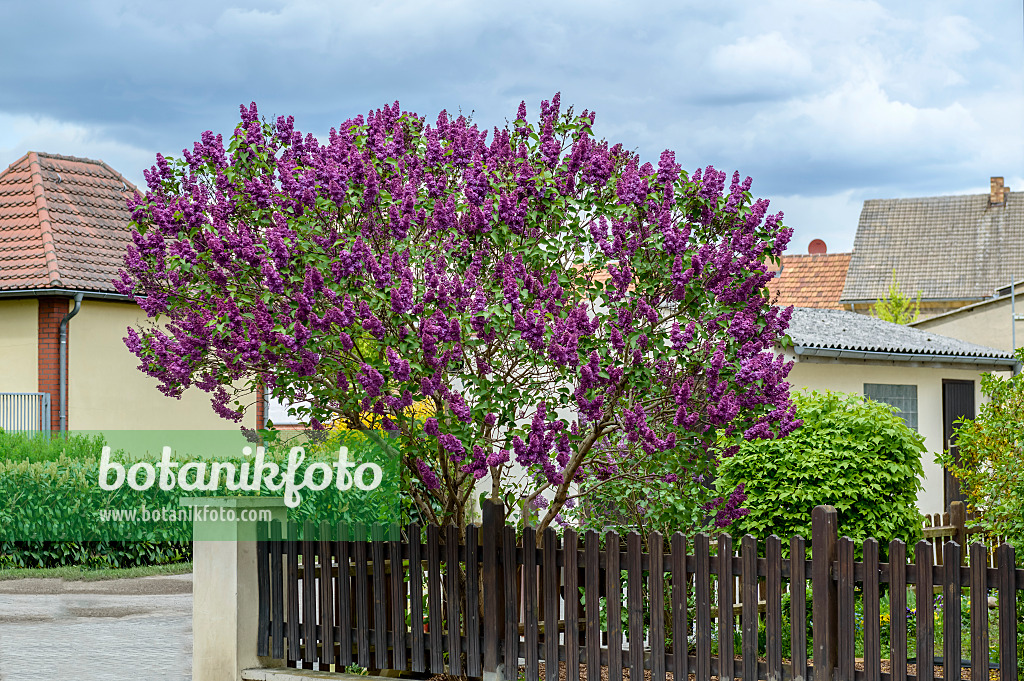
[824, 103]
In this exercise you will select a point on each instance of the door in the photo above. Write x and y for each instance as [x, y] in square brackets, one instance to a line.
[957, 402]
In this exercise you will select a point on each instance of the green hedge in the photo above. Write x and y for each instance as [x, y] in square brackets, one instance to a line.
[50, 504]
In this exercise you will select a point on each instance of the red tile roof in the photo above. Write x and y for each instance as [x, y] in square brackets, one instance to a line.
[63, 223]
[811, 280]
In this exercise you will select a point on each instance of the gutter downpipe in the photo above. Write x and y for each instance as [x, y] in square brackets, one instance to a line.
[64, 362]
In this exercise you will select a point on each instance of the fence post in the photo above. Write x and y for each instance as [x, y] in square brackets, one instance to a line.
[225, 596]
[958, 519]
[493, 586]
[824, 593]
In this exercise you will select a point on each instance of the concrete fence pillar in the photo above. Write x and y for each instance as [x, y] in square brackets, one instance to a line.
[225, 599]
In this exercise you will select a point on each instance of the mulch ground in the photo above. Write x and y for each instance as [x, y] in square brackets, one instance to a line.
[562, 676]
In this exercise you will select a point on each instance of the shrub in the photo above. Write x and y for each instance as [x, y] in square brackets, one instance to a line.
[561, 305]
[850, 453]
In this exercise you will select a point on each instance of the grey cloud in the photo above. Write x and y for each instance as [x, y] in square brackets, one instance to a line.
[741, 85]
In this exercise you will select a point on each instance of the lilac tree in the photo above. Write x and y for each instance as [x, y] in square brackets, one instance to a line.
[566, 312]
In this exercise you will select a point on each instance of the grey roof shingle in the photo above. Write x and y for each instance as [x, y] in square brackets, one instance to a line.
[946, 247]
[842, 330]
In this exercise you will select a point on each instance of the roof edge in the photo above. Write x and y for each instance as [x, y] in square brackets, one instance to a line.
[64, 293]
[969, 308]
[45, 227]
[872, 301]
[838, 353]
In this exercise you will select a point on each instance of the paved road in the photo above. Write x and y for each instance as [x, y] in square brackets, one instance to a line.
[114, 630]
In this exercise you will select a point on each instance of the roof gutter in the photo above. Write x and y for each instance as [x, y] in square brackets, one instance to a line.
[64, 362]
[805, 351]
[65, 293]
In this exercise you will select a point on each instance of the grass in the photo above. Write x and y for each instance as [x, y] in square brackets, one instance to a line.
[79, 574]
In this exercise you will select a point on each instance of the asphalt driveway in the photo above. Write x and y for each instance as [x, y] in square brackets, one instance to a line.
[96, 631]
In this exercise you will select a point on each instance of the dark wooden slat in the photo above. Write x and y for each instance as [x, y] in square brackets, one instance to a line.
[1007, 588]
[511, 566]
[824, 535]
[847, 629]
[493, 584]
[361, 587]
[680, 626]
[613, 591]
[434, 614]
[474, 653]
[398, 601]
[872, 631]
[898, 610]
[551, 615]
[726, 600]
[263, 589]
[951, 610]
[924, 596]
[592, 589]
[656, 596]
[748, 565]
[276, 592]
[343, 594]
[417, 657]
[309, 595]
[979, 611]
[702, 597]
[773, 607]
[530, 603]
[326, 584]
[798, 605]
[635, 605]
[294, 547]
[570, 544]
[380, 613]
[452, 590]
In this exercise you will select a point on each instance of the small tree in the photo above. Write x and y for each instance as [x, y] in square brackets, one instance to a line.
[851, 453]
[897, 307]
[990, 464]
[566, 310]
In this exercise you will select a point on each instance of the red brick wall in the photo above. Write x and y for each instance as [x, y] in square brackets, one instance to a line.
[51, 311]
[261, 407]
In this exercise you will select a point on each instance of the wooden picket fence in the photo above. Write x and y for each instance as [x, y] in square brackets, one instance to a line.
[953, 526]
[489, 601]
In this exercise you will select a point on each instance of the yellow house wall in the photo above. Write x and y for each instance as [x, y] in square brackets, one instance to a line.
[108, 392]
[987, 325]
[852, 377]
[19, 345]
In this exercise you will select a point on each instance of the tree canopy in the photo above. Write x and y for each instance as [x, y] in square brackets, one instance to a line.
[566, 311]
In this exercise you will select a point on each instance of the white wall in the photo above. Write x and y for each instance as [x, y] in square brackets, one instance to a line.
[851, 377]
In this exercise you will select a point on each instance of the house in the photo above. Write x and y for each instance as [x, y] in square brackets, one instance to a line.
[953, 250]
[933, 380]
[812, 280]
[64, 231]
[997, 322]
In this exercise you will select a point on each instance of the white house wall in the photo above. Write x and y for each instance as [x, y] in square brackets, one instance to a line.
[848, 377]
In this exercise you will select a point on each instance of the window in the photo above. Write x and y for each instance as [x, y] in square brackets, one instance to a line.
[902, 397]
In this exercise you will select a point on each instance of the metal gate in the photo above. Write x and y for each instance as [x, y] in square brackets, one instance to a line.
[25, 412]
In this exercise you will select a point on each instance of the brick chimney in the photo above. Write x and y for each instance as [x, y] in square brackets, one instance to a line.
[997, 192]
